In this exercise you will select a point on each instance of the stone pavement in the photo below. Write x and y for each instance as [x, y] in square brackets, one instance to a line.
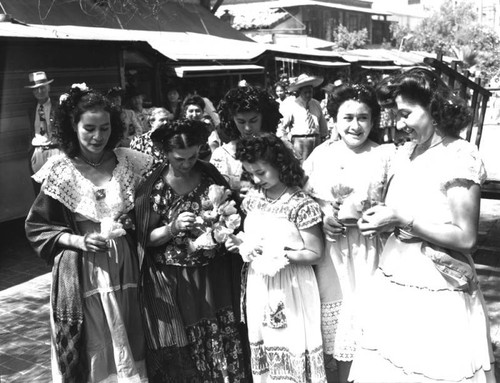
[25, 287]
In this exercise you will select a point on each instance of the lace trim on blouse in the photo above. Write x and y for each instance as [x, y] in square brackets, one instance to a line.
[63, 182]
[300, 208]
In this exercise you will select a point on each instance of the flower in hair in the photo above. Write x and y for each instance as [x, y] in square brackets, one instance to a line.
[81, 86]
[63, 97]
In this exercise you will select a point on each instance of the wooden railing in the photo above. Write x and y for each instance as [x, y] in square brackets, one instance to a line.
[477, 97]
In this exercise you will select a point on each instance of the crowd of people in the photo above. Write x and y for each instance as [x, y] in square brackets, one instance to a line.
[265, 240]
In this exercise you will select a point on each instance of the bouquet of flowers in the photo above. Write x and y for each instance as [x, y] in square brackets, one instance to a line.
[218, 218]
[111, 229]
[267, 255]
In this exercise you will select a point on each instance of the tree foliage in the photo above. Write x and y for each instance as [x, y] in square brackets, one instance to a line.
[455, 31]
[345, 40]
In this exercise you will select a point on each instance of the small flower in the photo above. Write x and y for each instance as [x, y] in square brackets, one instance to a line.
[82, 86]
[63, 97]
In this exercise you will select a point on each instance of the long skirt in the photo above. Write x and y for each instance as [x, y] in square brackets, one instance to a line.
[192, 330]
[417, 326]
[284, 326]
[114, 340]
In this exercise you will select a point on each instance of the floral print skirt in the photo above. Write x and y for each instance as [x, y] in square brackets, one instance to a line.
[212, 340]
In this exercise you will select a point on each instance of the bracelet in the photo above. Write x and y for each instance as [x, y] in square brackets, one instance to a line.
[170, 231]
[409, 226]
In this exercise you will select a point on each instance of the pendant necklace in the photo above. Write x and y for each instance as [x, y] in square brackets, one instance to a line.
[277, 198]
[93, 164]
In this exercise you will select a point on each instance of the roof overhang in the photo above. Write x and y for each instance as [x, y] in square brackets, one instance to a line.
[174, 45]
[326, 64]
[216, 70]
[302, 3]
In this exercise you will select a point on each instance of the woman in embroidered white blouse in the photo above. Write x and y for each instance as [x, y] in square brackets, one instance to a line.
[79, 224]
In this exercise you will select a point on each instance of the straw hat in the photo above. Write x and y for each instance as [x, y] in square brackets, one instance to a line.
[37, 79]
[305, 80]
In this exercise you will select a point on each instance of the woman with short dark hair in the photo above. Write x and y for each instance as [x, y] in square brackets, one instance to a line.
[423, 317]
[189, 295]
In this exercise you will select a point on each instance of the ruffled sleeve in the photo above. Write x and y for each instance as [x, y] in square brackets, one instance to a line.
[141, 163]
[465, 165]
[48, 168]
[306, 212]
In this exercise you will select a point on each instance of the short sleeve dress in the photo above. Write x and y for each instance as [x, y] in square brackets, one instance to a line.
[115, 345]
[424, 317]
[283, 311]
[334, 171]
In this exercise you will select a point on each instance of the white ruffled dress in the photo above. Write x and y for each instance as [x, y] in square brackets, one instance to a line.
[417, 326]
[115, 342]
[351, 259]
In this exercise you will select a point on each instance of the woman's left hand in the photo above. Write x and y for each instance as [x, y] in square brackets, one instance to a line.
[377, 219]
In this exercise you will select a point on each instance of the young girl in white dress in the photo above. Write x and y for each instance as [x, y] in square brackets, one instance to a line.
[282, 240]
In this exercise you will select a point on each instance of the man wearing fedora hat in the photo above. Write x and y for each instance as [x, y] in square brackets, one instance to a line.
[44, 144]
[303, 120]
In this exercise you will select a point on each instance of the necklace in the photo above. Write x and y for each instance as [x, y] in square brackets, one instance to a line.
[93, 164]
[422, 149]
[270, 200]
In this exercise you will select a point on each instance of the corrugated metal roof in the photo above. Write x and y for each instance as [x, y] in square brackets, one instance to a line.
[172, 16]
[174, 45]
[301, 3]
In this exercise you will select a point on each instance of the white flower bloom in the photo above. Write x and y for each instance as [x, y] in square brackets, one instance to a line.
[63, 97]
[82, 86]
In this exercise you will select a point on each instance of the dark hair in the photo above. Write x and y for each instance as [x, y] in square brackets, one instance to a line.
[269, 148]
[180, 134]
[358, 92]
[193, 100]
[248, 99]
[115, 91]
[425, 88]
[281, 84]
[75, 103]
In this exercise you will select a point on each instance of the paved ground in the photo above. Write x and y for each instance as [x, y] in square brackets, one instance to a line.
[25, 287]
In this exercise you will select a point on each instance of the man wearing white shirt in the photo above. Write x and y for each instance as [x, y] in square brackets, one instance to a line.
[44, 142]
[303, 120]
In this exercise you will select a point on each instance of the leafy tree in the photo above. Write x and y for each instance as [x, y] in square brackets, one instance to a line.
[345, 40]
[455, 31]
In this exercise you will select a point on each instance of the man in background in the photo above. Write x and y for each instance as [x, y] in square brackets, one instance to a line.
[303, 121]
[44, 143]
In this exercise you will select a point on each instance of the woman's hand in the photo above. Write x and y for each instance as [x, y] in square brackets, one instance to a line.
[377, 219]
[94, 242]
[331, 225]
[233, 243]
[184, 222]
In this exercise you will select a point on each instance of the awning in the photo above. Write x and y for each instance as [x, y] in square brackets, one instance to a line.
[327, 64]
[216, 70]
[381, 67]
[302, 3]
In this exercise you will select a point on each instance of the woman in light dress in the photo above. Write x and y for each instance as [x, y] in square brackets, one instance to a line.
[77, 223]
[282, 239]
[346, 176]
[423, 314]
